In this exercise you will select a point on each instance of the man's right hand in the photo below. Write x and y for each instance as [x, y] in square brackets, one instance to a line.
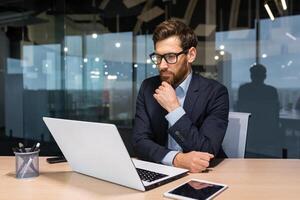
[194, 161]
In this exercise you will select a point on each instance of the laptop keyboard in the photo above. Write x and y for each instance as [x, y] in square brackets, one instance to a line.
[149, 176]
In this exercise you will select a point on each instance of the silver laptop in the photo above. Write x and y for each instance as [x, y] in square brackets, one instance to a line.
[97, 150]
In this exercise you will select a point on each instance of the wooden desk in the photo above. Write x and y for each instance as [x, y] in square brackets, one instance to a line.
[246, 178]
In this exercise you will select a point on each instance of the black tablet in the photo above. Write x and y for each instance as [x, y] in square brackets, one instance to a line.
[196, 189]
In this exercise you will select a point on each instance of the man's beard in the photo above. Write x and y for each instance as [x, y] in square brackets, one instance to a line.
[169, 79]
[172, 78]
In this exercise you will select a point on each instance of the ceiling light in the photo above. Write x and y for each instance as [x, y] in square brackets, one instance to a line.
[112, 77]
[85, 60]
[118, 44]
[95, 72]
[284, 6]
[290, 36]
[97, 59]
[222, 53]
[148, 61]
[95, 76]
[264, 55]
[269, 12]
[66, 49]
[222, 46]
[94, 35]
[216, 57]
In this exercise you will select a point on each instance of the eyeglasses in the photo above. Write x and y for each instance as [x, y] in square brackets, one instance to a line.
[170, 58]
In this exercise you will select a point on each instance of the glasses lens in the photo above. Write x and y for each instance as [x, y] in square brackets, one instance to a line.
[155, 58]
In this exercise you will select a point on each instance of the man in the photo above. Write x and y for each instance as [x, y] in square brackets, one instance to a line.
[181, 118]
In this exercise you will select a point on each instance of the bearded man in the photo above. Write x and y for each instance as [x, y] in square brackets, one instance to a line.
[181, 118]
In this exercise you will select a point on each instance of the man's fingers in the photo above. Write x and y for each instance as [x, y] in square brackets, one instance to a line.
[198, 166]
[210, 155]
[205, 156]
[166, 84]
[203, 163]
[161, 87]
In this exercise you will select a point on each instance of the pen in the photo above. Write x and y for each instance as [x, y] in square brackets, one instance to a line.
[35, 147]
[26, 167]
[32, 148]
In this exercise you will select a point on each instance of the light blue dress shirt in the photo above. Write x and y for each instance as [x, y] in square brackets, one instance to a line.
[173, 117]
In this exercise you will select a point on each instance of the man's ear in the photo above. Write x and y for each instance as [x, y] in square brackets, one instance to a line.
[191, 55]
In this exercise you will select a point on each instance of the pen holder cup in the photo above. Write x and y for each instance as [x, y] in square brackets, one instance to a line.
[27, 164]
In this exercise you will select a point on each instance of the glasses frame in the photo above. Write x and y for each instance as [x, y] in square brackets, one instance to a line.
[185, 51]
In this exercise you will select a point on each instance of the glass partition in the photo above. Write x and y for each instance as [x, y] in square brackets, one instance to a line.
[86, 61]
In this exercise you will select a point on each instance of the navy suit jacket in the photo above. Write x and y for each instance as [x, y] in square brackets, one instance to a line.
[202, 128]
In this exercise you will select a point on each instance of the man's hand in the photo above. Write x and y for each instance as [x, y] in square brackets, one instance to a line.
[194, 161]
[165, 95]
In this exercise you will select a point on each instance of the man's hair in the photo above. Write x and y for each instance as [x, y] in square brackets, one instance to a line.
[173, 27]
[258, 72]
[258, 69]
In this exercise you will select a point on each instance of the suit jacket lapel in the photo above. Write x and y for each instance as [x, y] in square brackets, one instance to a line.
[192, 95]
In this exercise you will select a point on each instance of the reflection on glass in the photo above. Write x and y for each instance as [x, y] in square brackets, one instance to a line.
[261, 100]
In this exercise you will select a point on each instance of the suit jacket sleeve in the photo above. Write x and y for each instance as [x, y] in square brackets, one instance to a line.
[144, 143]
[204, 134]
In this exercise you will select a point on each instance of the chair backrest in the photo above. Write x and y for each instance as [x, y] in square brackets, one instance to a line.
[234, 143]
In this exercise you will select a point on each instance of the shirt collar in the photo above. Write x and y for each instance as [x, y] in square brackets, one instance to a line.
[183, 87]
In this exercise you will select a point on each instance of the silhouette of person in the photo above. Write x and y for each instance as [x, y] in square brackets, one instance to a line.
[261, 100]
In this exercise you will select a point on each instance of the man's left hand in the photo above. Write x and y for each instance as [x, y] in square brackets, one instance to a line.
[165, 95]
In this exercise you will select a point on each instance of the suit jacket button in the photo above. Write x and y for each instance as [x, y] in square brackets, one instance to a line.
[177, 133]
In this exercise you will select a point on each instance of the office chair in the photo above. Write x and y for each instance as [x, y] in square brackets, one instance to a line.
[234, 143]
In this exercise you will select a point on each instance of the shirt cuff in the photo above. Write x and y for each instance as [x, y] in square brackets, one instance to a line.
[175, 115]
[168, 159]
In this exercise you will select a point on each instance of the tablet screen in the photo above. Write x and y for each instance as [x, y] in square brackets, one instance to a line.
[197, 189]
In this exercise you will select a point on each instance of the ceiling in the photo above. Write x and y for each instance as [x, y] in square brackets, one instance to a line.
[141, 16]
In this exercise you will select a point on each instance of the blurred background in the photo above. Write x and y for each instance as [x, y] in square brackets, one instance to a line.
[85, 60]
